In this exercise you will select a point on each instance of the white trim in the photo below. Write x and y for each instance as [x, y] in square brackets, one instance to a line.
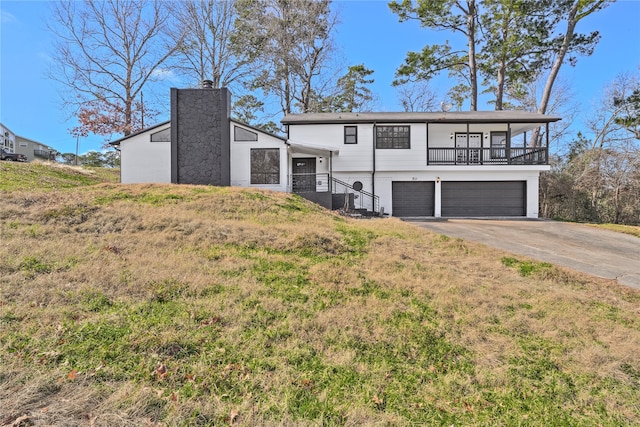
[313, 149]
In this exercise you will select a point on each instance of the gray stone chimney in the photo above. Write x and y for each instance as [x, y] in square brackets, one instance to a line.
[200, 144]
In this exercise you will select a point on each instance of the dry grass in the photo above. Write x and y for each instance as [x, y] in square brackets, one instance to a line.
[188, 305]
[633, 230]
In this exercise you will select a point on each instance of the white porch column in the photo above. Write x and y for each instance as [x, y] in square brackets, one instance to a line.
[532, 196]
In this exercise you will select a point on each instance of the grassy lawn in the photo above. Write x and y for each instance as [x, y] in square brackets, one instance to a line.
[47, 176]
[633, 230]
[167, 305]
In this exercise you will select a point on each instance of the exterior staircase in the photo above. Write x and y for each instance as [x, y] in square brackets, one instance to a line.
[335, 194]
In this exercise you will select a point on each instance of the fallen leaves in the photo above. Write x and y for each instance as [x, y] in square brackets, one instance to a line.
[72, 375]
[232, 416]
[161, 371]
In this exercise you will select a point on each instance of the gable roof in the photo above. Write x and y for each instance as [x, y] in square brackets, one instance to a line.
[504, 116]
[257, 129]
[124, 138]
[118, 141]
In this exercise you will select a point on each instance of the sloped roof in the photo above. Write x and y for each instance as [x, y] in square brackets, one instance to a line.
[118, 141]
[504, 116]
[157, 125]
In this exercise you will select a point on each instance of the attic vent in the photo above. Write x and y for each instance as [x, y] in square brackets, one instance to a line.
[207, 84]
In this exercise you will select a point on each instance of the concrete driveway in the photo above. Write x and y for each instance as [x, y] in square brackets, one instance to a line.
[591, 250]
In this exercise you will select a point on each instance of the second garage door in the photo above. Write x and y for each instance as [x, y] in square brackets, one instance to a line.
[412, 198]
[484, 198]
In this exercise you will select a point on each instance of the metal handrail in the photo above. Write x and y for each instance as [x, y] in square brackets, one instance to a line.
[375, 200]
[324, 183]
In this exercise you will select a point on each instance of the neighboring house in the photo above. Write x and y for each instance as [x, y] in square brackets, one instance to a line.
[457, 164]
[7, 139]
[21, 145]
[34, 149]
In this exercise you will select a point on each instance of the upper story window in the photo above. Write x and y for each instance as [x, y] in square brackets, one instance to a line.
[351, 134]
[241, 134]
[393, 137]
[162, 136]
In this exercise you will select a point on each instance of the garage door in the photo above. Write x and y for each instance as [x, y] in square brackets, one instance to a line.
[412, 198]
[487, 198]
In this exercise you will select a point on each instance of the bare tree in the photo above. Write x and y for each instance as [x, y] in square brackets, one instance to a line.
[417, 96]
[295, 37]
[208, 41]
[458, 16]
[563, 104]
[604, 123]
[105, 53]
[599, 179]
[570, 12]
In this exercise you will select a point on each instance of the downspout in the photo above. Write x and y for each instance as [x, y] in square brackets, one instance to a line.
[427, 126]
[373, 172]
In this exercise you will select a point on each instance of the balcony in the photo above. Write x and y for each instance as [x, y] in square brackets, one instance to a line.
[488, 156]
[45, 154]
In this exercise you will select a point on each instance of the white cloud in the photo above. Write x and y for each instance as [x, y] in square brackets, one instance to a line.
[164, 74]
[6, 17]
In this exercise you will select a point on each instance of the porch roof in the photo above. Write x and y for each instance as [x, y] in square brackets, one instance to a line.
[312, 149]
[504, 116]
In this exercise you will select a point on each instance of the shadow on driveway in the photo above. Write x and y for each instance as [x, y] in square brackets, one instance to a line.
[591, 250]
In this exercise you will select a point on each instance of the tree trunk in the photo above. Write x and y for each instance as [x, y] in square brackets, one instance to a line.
[473, 68]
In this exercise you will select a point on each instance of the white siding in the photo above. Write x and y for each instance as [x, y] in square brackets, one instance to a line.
[481, 173]
[414, 158]
[241, 159]
[143, 161]
[352, 157]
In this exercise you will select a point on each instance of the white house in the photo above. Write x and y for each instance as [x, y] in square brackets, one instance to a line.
[7, 139]
[145, 157]
[449, 164]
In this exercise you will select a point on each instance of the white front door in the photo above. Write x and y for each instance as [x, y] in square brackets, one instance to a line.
[466, 142]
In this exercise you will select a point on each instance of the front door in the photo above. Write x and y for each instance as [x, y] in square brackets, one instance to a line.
[467, 154]
[304, 175]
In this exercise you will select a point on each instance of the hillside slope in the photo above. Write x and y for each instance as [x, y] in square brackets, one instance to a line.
[194, 305]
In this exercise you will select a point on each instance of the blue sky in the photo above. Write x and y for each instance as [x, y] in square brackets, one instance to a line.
[368, 33]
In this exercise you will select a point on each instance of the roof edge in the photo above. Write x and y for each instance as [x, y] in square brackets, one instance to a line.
[141, 131]
[502, 116]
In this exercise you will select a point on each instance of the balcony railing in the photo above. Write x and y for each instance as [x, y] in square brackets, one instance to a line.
[44, 154]
[488, 156]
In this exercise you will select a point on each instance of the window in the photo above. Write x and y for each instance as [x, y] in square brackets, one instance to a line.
[162, 136]
[265, 166]
[498, 145]
[351, 134]
[241, 134]
[393, 137]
